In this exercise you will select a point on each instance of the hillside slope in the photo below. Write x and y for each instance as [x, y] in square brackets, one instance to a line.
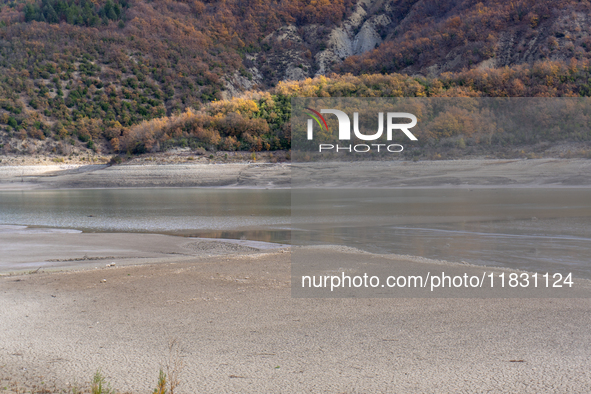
[134, 76]
[429, 37]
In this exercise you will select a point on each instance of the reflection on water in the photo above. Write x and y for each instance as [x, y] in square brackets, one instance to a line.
[267, 235]
[534, 229]
[148, 210]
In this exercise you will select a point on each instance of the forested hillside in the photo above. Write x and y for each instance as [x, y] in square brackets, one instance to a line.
[136, 76]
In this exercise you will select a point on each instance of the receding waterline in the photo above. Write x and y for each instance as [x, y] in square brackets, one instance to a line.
[148, 210]
[518, 228]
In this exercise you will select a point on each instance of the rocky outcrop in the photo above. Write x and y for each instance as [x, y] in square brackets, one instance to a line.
[296, 53]
[355, 37]
[239, 82]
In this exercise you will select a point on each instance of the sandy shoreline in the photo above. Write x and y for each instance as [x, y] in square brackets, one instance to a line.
[230, 305]
[150, 175]
[444, 173]
[26, 249]
[230, 308]
[240, 331]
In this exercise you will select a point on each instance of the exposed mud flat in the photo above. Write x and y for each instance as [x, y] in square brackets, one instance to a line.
[239, 330]
[446, 173]
[145, 175]
[443, 173]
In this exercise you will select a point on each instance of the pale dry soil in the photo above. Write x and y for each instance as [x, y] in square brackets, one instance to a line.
[442, 173]
[239, 330]
[259, 175]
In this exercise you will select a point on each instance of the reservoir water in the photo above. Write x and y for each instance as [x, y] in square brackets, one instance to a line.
[534, 229]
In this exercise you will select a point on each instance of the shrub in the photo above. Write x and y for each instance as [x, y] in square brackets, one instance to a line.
[161, 388]
[115, 160]
[12, 122]
[100, 385]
